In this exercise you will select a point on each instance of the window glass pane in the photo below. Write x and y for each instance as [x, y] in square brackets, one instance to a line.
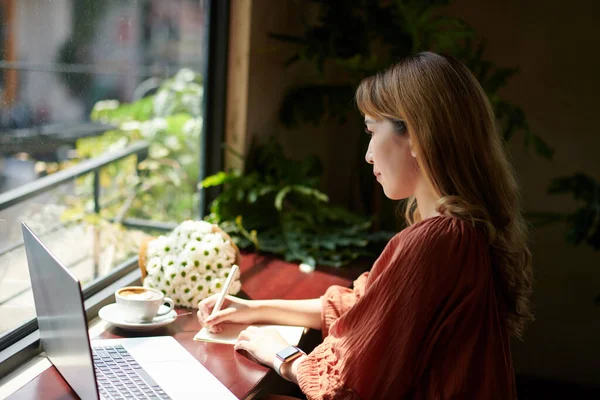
[80, 79]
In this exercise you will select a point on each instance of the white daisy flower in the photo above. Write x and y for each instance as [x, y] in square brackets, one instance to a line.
[197, 264]
[200, 294]
[209, 266]
[187, 298]
[172, 278]
[223, 273]
[161, 246]
[197, 251]
[168, 262]
[216, 285]
[187, 226]
[199, 237]
[153, 266]
[193, 278]
[235, 287]
[208, 277]
[179, 294]
[202, 287]
[185, 262]
[151, 282]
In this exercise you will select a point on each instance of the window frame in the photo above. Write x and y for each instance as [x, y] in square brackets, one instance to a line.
[23, 343]
[215, 98]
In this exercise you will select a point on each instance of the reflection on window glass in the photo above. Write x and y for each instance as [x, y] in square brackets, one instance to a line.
[80, 79]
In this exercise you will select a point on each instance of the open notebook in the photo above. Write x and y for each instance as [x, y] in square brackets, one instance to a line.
[230, 333]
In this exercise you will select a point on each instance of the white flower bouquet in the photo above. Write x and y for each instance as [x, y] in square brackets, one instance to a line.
[190, 263]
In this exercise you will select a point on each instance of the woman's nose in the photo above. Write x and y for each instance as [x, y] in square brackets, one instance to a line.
[369, 156]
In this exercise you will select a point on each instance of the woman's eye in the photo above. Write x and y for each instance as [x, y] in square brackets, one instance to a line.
[399, 125]
[368, 132]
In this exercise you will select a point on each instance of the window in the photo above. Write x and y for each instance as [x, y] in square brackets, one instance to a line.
[79, 81]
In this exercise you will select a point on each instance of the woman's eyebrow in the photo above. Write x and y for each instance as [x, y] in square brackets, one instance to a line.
[369, 121]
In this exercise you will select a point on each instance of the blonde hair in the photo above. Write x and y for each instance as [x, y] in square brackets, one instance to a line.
[453, 131]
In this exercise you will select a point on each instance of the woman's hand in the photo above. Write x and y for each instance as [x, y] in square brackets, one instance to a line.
[234, 310]
[262, 344]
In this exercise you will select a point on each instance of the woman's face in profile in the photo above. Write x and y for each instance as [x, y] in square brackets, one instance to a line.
[394, 165]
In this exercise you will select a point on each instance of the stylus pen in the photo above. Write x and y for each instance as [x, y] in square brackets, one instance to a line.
[230, 278]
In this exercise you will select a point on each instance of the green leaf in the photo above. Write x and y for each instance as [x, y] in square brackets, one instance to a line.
[252, 195]
[582, 186]
[542, 148]
[217, 179]
[311, 192]
[280, 196]
[266, 190]
[581, 222]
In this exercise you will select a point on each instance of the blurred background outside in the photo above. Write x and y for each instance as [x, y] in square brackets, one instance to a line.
[58, 59]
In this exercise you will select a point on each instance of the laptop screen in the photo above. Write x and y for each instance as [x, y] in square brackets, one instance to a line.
[61, 317]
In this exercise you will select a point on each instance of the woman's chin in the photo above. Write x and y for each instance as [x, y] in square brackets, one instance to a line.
[390, 196]
[395, 195]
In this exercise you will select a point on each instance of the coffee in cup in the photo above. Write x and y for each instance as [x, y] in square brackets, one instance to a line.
[141, 304]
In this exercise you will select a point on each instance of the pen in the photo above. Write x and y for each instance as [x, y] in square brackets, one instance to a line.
[230, 278]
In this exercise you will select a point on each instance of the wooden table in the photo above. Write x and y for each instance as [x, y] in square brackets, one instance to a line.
[262, 278]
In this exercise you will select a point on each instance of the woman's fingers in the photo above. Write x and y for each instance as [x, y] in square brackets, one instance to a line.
[243, 345]
[233, 310]
[209, 302]
[205, 307]
[260, 344]
[220, 316]
[244, 335]
[215, 329]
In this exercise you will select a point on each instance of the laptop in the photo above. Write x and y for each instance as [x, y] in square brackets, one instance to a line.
[133, 368]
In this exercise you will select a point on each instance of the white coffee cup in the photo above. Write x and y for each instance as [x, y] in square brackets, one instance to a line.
[141, 304]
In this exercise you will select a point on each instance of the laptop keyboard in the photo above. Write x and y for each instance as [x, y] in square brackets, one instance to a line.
[120, 377]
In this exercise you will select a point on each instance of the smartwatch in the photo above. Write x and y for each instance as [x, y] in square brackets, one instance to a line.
[288, 354]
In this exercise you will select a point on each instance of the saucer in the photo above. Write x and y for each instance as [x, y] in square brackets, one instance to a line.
[112, 314]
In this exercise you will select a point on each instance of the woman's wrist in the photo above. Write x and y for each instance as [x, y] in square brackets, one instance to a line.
[289, 370]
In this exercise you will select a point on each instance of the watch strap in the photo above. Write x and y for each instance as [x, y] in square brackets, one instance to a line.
[278, 362]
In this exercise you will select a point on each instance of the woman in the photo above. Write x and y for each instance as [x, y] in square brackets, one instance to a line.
[432, 319]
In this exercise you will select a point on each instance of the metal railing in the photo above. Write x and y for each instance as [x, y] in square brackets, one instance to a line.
[47, 183]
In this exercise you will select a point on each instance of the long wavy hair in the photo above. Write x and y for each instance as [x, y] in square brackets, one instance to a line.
[453, 131]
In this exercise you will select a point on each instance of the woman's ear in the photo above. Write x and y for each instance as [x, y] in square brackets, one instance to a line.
[412, 150]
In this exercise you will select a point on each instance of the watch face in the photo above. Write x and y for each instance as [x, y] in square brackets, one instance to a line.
[287, 353]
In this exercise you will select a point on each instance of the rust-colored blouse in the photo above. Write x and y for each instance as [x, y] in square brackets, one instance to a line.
[425, 323]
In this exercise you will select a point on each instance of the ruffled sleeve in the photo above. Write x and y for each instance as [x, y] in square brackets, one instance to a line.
[338, 299]
[387, 344]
